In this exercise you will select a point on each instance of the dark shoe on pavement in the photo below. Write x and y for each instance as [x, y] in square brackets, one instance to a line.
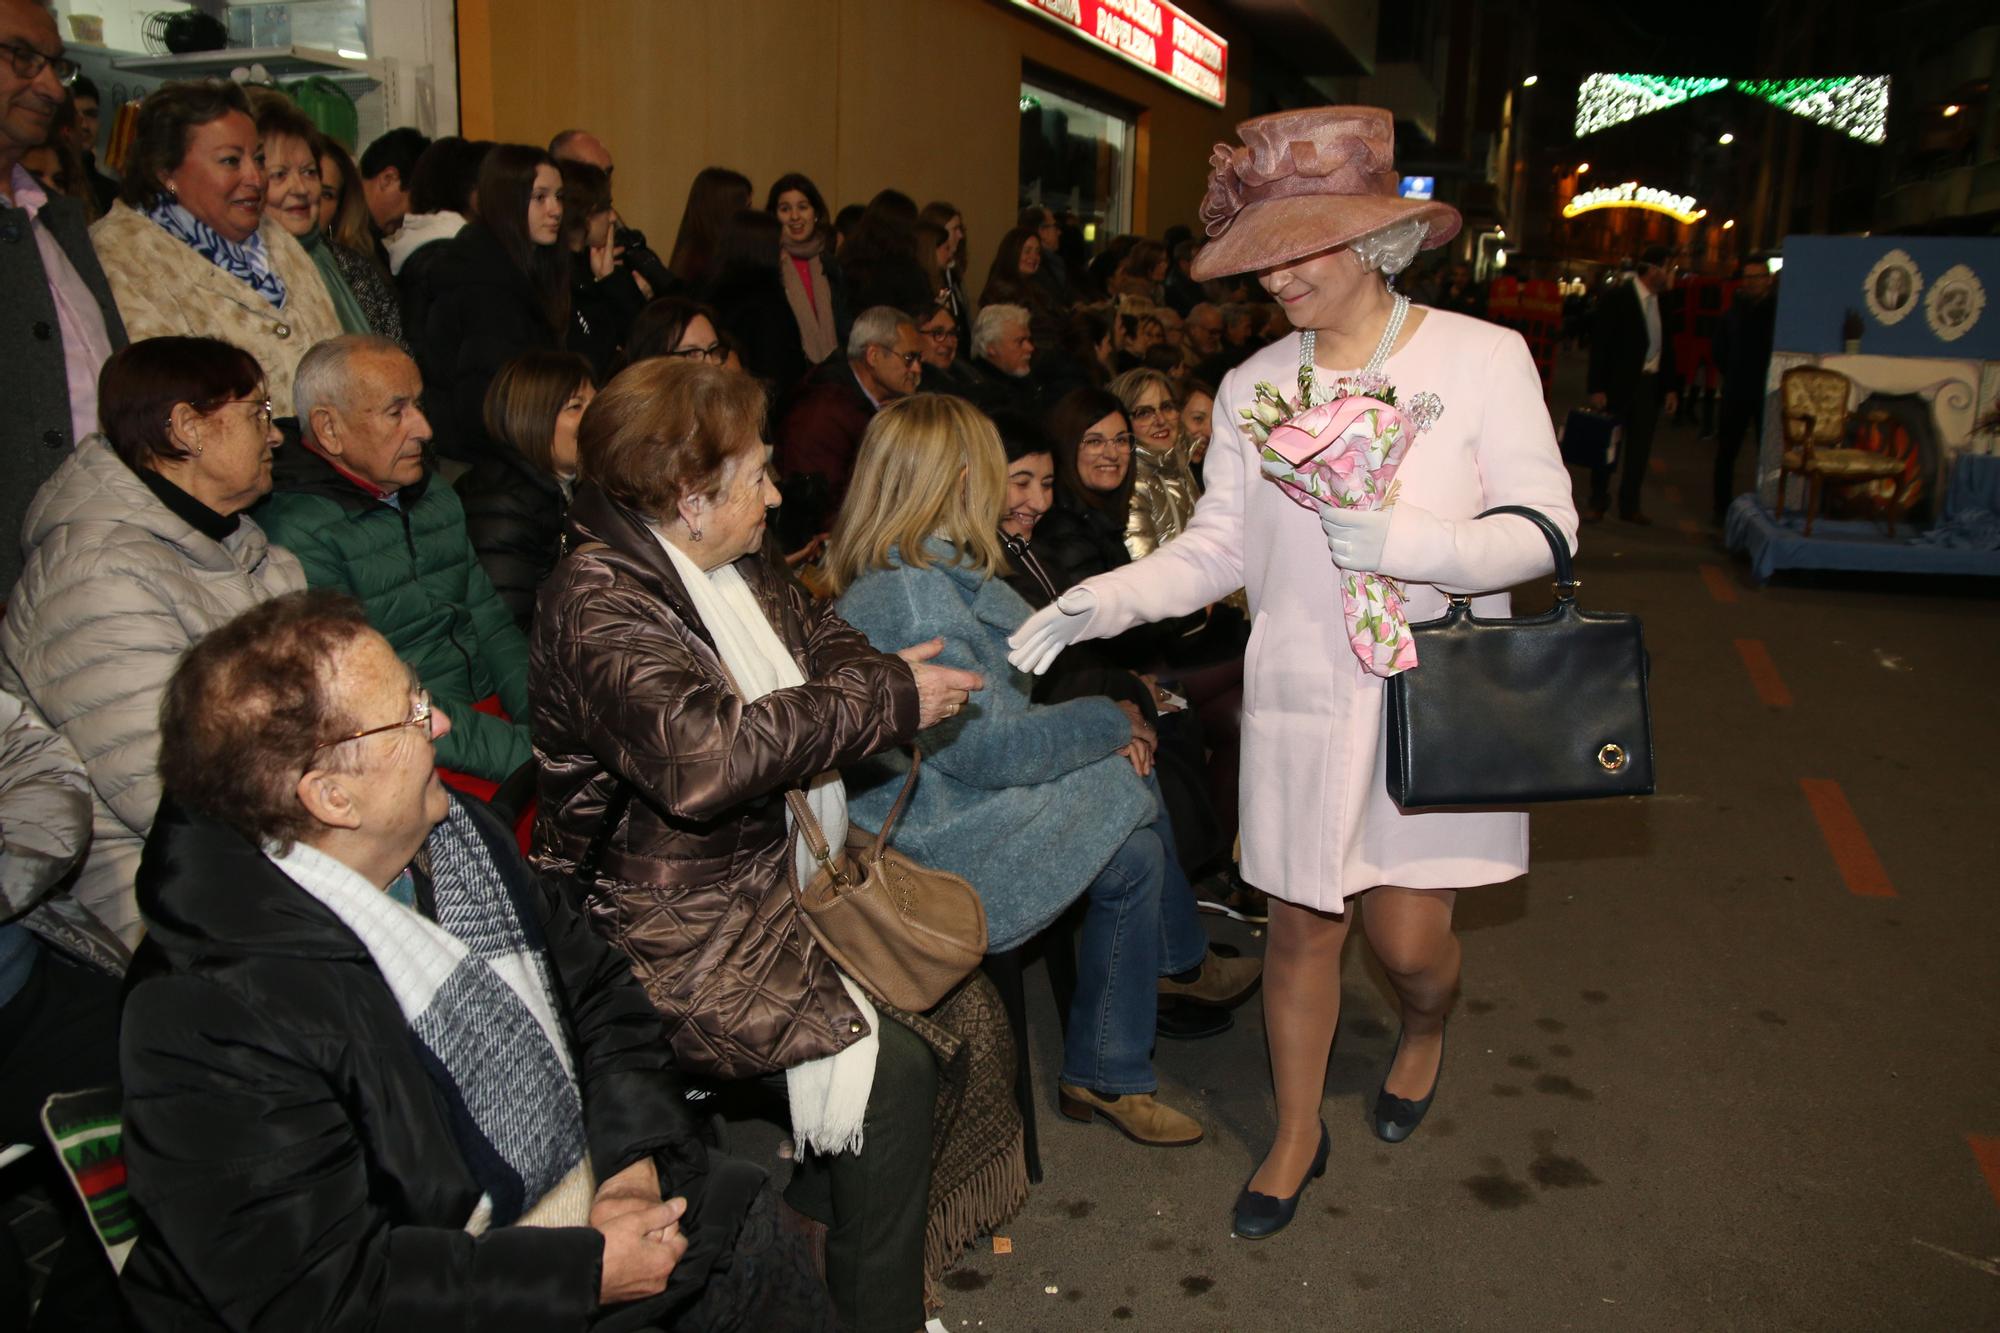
[1396, 1118]
[1221, 982]
[1226, 894]
[1636, 518]
[1181, 1020]
[1259, 1216]
[1139, 1116]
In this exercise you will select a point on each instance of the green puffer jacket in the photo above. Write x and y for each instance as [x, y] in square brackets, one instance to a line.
[413, 568]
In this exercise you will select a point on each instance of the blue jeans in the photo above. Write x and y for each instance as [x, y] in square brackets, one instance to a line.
[1139, 924]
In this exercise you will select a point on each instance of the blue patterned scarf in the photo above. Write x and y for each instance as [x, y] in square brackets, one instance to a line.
[248, 261]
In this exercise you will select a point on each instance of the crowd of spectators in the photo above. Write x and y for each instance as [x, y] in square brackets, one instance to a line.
[401, 676]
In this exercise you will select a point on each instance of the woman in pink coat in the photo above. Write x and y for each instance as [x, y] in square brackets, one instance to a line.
[1309, 204]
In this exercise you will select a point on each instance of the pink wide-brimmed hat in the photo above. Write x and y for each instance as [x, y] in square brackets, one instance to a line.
[1303, 182]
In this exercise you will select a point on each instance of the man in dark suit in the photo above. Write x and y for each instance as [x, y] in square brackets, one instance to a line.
[1631, 374]
[60, 323]
[821, 425]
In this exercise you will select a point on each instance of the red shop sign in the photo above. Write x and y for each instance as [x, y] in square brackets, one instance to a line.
[1156, 36]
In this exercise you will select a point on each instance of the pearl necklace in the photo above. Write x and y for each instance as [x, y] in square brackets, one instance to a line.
[1309, 393]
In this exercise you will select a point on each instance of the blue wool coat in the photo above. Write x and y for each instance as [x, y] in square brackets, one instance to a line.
[1027, 801]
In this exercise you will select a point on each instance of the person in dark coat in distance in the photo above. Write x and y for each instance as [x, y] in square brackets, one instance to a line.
[376, 1071]
[1743, 353]
[749, 297]
[515, 497]
[822, 425]
[1632, 377]
[714, 196]
[880, 257]
[673, 665]
[503, 288]
[1003, 357]
[605, 295]
[815, 285]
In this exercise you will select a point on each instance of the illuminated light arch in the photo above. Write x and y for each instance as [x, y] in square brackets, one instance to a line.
[1631, 194]
[1857, 105]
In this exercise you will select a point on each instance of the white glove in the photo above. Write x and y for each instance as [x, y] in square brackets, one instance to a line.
[1356, 536]
[1044, 635]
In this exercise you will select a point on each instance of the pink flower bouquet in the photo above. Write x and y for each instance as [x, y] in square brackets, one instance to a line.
[1346, 453]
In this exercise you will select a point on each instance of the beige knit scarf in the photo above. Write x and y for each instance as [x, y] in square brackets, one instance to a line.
[813, 310]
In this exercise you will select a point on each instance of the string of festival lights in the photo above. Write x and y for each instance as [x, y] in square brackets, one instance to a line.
[1856, 104]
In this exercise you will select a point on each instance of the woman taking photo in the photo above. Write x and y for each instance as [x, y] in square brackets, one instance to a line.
[501, 288]
[135, 548]
[515, 497]
[188, 249]
[681, 685]
[1319, 830]
[350, 239]
[814, 289]
[917, 545]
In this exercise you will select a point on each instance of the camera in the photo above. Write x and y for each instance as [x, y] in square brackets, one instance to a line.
[640, 259]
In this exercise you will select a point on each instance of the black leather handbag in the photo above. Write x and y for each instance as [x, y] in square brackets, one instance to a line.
[1550, 707]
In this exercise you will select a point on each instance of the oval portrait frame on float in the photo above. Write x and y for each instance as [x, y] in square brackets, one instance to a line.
[1954, 303]
[1892, 287]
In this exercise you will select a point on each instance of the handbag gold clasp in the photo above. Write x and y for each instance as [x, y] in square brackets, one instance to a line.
[1611, 757]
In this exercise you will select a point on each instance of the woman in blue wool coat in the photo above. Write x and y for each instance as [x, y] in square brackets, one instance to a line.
[1036, 805]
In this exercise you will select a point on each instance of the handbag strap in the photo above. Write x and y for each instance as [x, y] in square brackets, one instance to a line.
[1566, 581]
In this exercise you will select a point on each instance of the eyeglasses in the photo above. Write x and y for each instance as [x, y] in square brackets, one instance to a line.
[1142, 415]
[1122, 443]
[910, 360]
[940, 335]
[29, 63]
[714, 353]
[420, 716]
[261, 406]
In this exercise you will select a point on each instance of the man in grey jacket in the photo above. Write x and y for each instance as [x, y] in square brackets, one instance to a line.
[60, 322]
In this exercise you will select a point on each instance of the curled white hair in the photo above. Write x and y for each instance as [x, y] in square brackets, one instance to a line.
[1390, 250]
[994, 323]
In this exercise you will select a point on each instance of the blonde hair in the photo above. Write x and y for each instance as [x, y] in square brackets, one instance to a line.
[907, 488]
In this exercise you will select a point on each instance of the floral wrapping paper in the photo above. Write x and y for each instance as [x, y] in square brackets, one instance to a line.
[1344, 453]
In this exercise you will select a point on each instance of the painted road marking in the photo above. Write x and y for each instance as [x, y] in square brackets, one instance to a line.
[1763, 673]
[1846, 839]
[1718, 584]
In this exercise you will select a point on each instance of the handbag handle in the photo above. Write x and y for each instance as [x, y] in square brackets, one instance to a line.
[1566, 581]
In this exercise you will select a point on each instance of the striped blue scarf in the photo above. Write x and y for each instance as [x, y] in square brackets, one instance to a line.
[248, 261]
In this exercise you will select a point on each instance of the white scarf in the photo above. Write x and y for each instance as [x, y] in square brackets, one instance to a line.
[829, 1096]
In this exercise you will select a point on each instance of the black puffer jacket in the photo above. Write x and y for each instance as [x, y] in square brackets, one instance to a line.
[513, 517]
[1082, 540]
[293, 1162]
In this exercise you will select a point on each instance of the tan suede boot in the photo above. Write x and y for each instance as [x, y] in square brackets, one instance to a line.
[1223, 981]
[1139, 1116]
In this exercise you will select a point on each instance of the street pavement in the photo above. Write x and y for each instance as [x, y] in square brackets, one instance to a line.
[1726, 1059]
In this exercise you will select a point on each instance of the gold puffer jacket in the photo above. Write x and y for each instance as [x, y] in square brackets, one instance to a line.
[1163, 494]
[625, 682]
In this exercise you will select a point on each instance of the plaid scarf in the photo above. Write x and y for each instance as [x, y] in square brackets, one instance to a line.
[478, 997]
[248, 261]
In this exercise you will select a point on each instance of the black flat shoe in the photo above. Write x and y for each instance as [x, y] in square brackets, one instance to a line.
[1259, 1216]
[1181, 1021]
[1396, 1118]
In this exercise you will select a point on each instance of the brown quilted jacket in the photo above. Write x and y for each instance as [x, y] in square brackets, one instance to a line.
[624, 680]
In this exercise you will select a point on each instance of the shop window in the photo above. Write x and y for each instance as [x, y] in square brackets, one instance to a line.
[1076, 156]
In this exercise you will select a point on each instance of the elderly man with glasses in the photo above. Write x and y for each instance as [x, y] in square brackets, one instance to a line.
[62, 321]
[821, 428]
[377, 1074]
[365, 513]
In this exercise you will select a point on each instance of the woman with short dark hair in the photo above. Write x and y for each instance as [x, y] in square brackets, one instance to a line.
[502, 288]
[188, 250]
[681, 686]
[515, 497]
[135, 548]
[1085, 532]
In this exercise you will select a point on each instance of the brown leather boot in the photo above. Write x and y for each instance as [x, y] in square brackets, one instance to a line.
[1223, 981]
[1139, 1116]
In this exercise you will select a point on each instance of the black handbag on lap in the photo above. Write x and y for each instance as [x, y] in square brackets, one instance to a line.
[1549, 707]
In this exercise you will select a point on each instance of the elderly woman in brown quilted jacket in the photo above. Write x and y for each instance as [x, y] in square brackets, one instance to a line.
[676, 769]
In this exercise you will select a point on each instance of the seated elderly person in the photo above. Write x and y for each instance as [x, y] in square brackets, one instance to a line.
[1003, 358]
[1037, 805]
[363, 511]
[820, 430]
[379, 1075]
[681, 686]
[188, 249]
[135, 548]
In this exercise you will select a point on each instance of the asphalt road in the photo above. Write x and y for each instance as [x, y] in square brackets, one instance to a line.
[1726, 1059]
